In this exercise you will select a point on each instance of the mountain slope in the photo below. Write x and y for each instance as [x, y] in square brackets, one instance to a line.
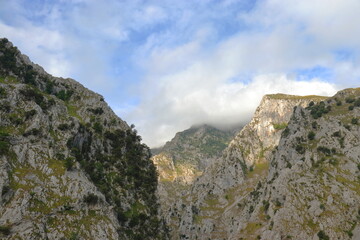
[70, 168]
[227, 201]
[313, 186]
[188, 154]
[184, 158]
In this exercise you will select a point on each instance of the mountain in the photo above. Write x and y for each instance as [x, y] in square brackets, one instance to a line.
[69, 167]
[183, 159]
[188, 154]
[291, 173]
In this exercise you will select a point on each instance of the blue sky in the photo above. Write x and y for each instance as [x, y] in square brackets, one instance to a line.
[167, 65]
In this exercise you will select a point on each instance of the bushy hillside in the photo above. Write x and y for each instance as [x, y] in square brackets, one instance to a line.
[70, 168]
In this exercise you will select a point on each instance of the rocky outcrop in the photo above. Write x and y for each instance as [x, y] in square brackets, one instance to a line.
[313, 187]
[69, 167]
[220, 203]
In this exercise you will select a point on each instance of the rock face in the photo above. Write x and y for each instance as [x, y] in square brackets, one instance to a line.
[262, 134]
[313, 186]
[69, 167]
[190, 152]
[185, 157]
[291, 173]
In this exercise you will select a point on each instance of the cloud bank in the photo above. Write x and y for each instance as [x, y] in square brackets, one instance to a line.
[176, 107]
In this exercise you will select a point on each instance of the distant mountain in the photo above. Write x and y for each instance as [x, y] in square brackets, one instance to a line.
[190, 152]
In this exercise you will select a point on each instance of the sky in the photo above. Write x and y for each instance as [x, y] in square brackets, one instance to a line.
[166, 65]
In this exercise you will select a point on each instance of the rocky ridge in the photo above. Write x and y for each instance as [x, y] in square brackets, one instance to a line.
[250, 194]
[69, 167]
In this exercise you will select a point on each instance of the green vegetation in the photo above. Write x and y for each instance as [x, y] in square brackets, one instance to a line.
[8, 59]
[4, 143]
[96, 111]
[280, 126]
[5, 229]
[64, 127]
[349, 99]
[69, 163]
[311, 135]
[251, 228]
[286, 132]
[318, 110]
[33, 94]
[324, 150]
[127, 166]
[294, 97]
[322, 236]
[251, 209]
[300, 148]
[258, 169]
[30, 114]
[3, 92]
[64, 95]
[91, 199]
[98, 127]
[33, 131]
[72, 110]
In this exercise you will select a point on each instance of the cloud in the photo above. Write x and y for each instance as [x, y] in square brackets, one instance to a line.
[225, 104]
[44, 46]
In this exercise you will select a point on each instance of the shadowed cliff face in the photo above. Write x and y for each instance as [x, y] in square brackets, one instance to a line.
[69, 167]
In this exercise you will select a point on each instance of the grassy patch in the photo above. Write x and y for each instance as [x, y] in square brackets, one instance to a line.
[8, 79]
[294, 97]
[251, 228]
[72, 110]
[57, 167]
[259, 169]
[280, 126]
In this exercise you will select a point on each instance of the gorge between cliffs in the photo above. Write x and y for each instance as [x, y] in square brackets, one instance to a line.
[70, 168]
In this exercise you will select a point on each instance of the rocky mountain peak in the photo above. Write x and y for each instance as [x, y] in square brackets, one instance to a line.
[262, 134]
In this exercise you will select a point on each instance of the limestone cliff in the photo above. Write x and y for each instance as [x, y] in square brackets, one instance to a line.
[313, 187]
[219, 203]
[69, 167]
[185, 157]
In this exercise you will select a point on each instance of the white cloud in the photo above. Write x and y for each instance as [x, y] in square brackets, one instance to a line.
[44, 46]
[221, 105]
